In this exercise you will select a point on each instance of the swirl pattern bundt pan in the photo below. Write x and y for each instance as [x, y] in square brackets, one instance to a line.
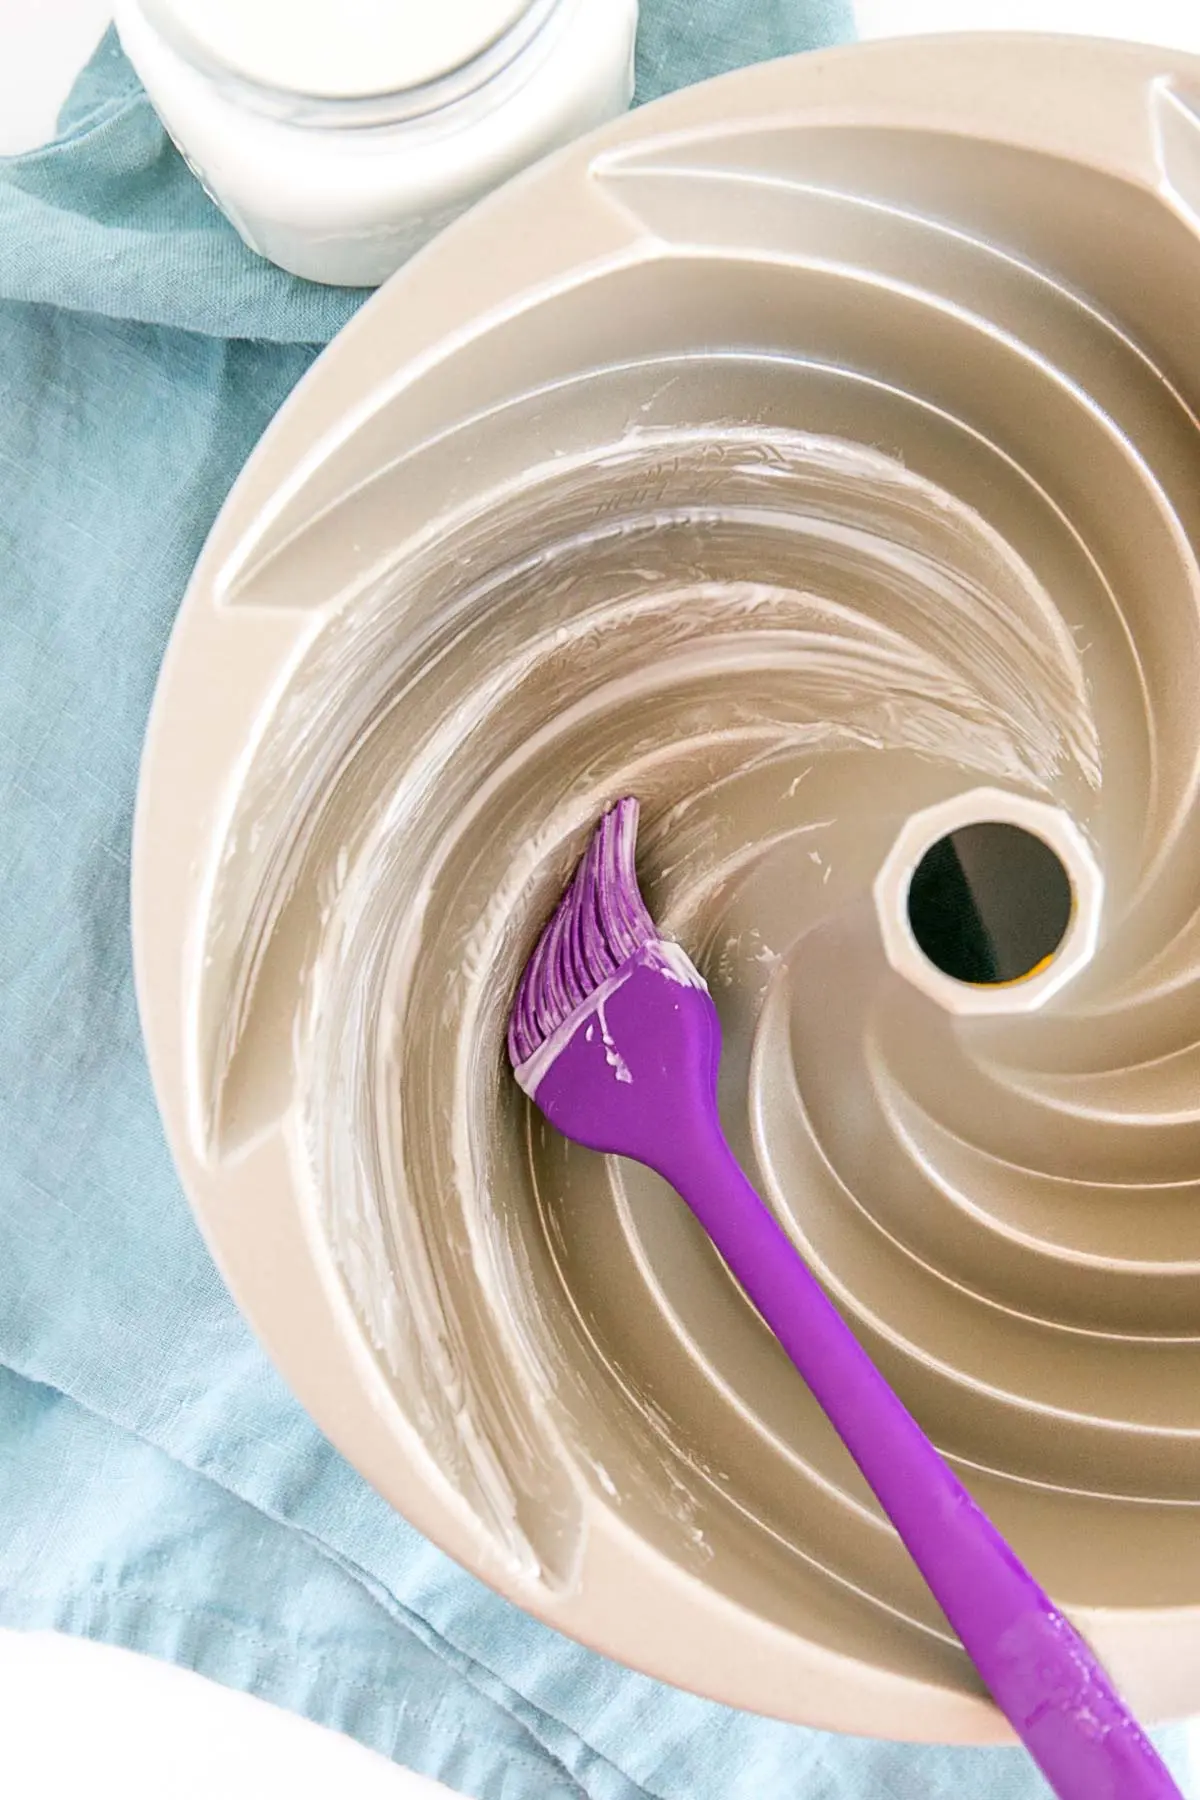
[810, 452]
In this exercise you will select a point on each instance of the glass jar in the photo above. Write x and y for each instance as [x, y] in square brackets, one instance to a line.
[339, 135]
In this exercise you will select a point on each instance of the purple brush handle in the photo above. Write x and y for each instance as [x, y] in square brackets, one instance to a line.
[1040, 1672]
[636, 1076]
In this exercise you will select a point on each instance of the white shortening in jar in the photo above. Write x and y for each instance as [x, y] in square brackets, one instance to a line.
[339, 135]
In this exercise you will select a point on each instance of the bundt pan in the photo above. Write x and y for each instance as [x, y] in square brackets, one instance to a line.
[814, 454]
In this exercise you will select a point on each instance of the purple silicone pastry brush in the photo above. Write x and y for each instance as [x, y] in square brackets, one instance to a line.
[614, 1036]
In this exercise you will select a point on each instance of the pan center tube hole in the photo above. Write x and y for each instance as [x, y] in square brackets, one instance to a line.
[990, 902]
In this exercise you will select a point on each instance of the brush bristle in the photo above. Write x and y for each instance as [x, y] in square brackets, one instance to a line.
[599, 923]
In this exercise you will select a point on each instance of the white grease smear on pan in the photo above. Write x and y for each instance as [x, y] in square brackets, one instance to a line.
[686, 616]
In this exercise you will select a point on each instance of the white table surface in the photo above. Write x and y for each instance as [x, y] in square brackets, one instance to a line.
[79, 1715]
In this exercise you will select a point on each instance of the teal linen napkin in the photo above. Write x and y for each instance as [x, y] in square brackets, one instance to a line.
[159, 1488]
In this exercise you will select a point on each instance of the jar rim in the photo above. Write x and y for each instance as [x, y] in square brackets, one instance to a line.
[383, 106]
